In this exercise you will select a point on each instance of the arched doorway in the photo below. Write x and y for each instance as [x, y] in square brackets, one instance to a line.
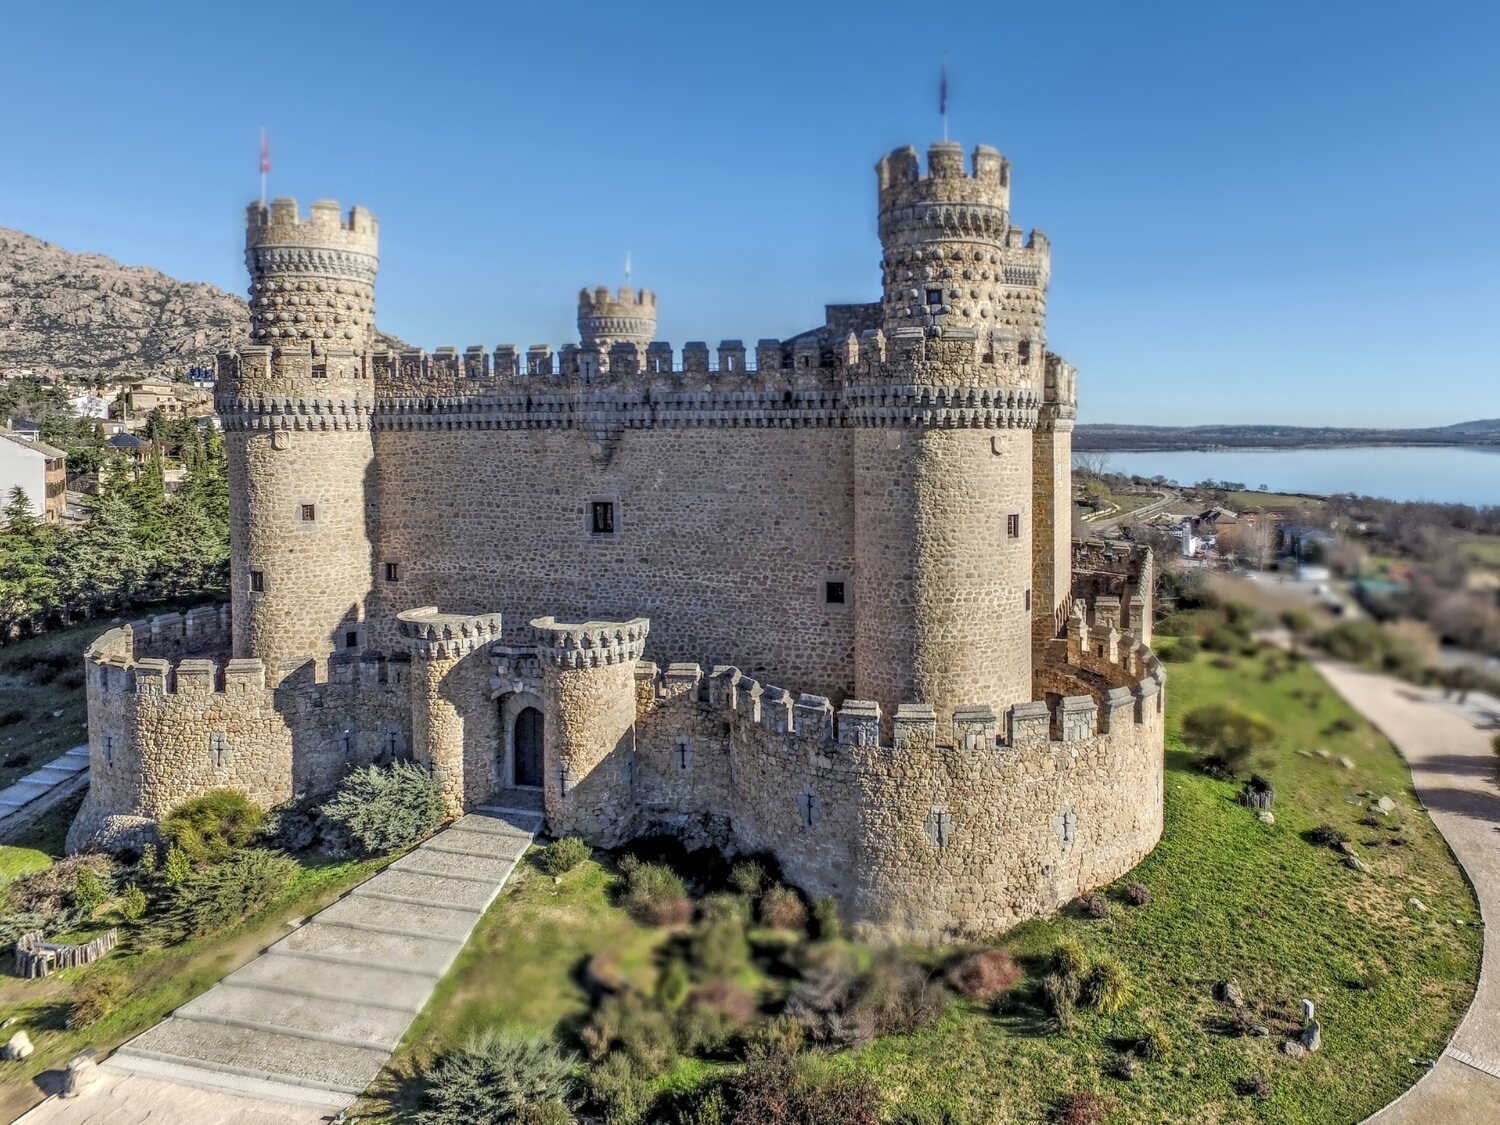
[528, 748]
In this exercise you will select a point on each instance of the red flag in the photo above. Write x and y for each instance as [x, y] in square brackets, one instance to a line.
[265, 153]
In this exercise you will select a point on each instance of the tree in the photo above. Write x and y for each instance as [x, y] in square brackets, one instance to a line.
[1298, 623]
[1227, 732]
[28, 582]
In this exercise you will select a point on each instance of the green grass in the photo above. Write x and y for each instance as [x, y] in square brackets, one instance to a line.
[1483, 550]
[1232, 898]
[155, 981]
[1251, 499]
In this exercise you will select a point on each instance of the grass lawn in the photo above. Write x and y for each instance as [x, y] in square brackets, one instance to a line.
[1483, 550]
[1249, 499]
[154, 981]
[1233, 898]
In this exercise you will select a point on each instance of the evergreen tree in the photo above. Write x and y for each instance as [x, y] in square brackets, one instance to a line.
[28, 582]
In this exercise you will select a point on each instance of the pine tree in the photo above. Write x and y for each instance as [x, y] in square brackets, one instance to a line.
[28, 582]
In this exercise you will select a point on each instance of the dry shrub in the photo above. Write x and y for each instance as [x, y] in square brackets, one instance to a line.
[50, 891]
[782, 908]
[654, 893]
[985, 975]
[95, 998]
[1080, 1109]
[1137, 894]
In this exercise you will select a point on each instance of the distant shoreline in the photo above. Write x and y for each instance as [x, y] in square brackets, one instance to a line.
[1084, 443]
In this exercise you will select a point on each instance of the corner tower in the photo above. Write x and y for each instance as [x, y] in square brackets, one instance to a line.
[944, 487]
[311, 279]
[296, 408]
[606, 319]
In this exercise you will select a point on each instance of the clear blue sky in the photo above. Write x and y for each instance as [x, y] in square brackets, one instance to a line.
[1260, 211]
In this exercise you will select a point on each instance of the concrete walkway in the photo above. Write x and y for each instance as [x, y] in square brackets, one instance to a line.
[1448, 748]
[301, 1031]
[38, 791]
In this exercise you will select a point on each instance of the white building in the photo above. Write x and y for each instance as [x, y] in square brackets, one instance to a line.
[37, 469]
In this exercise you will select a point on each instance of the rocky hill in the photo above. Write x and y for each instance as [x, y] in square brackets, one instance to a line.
[80, 314]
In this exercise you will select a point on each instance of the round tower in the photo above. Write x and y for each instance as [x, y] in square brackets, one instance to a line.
[296, 418]
[605, 319]
[311, 279]
[944, 492]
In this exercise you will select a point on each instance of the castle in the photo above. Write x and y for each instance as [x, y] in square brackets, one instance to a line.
[818, 598]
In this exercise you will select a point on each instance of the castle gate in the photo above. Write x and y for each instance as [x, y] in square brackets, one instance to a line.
[527, 740]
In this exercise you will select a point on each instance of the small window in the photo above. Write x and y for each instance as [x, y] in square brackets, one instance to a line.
[602, 517]
[351, 639]
[393, 572]
[1028, 600]
[934, 296]
[833, 593]
[309, 513]
[257, 582]
[1013, 526]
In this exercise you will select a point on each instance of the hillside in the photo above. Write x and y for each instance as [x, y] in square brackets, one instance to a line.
[1119, 438]
[81, 314]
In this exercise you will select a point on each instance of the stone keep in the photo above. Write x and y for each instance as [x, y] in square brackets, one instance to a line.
[817, 597]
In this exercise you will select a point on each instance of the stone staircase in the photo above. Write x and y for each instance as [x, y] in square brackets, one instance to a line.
[38, 791]
[312, 1020]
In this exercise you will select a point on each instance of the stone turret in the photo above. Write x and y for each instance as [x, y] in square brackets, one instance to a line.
[311, 279]
[606, 319]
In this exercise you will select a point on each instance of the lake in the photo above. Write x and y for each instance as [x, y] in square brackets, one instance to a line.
[1448, 473]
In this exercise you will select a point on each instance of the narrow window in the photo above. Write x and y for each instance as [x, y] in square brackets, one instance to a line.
[1013, 526]
[351, 639]
[602, 517]
[309, 513]
[833, 593]
[257, 582]
[393, 572]
[1024, 351]
[934, 296]
[1028, 600]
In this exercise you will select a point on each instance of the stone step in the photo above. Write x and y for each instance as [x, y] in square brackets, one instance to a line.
[68, 763]
[493, 844]
[284, 1091]
[269, 1055]
[25, 791]
[324, 938]
[433, 890]
[401, 918]
[77, 752]
[503, 825]
[361, 984]
[447, 865]
[331, 1021]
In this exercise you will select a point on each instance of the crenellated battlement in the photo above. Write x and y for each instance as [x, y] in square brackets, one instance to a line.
[428, 633]
[280, 223]
[590, 644]
[311, 279]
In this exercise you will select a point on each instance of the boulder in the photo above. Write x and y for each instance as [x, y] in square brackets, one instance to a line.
[1385, 806]
[1354, 863]
[1417, 905]
[1293, 1049]
[19, 1047]
[83, 1069]
[1346, 762]
[1265, 816]
[1312, 1036]
[1229, 992]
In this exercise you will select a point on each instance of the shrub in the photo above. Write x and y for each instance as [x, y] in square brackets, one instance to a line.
[1227, 731]
[95, 998]
[1155, 1045]
[618, 1091]
[781, 908]
[177, 868]
[713, 1016]
[1080, 1109]
[827, 923]
[382, 809]
[1182, 650]
[210, 826]
[673, 985]
[1326, 836]
[717, 946]
[631, 1024]
[779, 1035]
[89, 893]
[1095, 906]
[212, 898]
[654, 893]
[51, 892]
[1253, 1086]
[1137, 894]
[544, 1113]
[149, 856]
[561, 856]
[1068, 958]
[1221, 639]
[133, 903]
[494, 1077]
[748, 876]
[892, 997]
[1060, 997]
[928, 1115]
[1106, 986]
[293, 826]
[770, 1091]
[985, 975]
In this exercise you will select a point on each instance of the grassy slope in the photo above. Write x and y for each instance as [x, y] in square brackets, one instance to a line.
[154, 982]
[1233, 897]
[42, 734]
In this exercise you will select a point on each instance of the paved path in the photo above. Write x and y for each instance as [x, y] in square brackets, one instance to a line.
[38, 791]
[1448, 748]
[302, 1030]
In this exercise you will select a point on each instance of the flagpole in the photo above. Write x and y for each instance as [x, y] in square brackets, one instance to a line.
[943, 97]
[265, 163]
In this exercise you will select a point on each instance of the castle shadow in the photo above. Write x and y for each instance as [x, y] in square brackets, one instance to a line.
[1468, 803]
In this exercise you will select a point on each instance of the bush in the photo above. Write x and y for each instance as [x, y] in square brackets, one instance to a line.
[654, 893]
[215, 897]
[211, 826]
[1060, 997]
[713, 1016]
[495, 1077]
[52, 891]
[544, 1113]
[293, 826]
[769, 1091]
[177, 868]
[384, 808]
[1095, 906]
[828, 925]
[717, 946]
[631, 1024]
[1080, 1109]
[1326, 836]
[673, 985]
[748, 876]
[1228, 732]
[89, 893]
[618, 1091]
[1155, 1045]
[95, 998]
[779, 1035]
[1106, 986]
[985, 975]
[1068, 958]
[1221, 639]
[1183, 650]
[1137, 894]
[561, 856]
[133, 903]
[781, 908]
[891, 997]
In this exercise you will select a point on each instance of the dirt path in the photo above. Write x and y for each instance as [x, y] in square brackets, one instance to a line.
[1453, 766]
